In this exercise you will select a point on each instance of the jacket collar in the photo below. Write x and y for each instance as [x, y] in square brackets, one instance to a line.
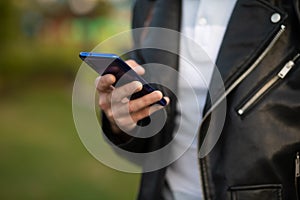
[249, 31]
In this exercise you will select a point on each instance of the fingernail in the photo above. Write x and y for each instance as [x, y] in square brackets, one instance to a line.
[167, 99]
[139, 69]
[138, 86]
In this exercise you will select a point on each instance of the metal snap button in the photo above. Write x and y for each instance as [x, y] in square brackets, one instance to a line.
[276, 17]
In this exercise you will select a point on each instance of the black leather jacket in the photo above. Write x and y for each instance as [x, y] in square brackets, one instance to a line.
[256, 154]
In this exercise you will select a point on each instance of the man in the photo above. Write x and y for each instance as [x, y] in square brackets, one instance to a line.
[255, 44]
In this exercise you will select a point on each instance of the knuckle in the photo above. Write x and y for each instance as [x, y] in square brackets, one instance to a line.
[103, 104]
[101, 81]
[130, 88]
[105, 81]
[135, 86]
[131, 107]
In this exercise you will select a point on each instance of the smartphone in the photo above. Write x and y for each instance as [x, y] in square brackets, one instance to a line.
[104, 63]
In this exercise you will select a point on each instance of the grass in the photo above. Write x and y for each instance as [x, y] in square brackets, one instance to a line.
[41, 154]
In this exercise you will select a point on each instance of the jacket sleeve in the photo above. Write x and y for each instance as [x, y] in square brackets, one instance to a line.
[134, 144]
[141, 9]
[142, 13]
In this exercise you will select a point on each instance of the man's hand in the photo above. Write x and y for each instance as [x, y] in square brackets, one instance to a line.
[120, 111]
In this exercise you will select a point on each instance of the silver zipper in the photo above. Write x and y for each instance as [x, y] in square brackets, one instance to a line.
[281, 75]
[297, 165]
[233, 86]
[297, 174]
[246, 73]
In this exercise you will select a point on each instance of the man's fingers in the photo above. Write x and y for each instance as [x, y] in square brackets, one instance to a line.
[126, 90]
[132, 106]
[123, 118]
[157, 107]
[145, 101]
[104, 101]
[132, 63]
[167, 100]
[135, 106]
[139, 70]
[136, 67]
[147, 111]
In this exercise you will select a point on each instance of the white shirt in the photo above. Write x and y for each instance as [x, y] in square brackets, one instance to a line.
[205, 22]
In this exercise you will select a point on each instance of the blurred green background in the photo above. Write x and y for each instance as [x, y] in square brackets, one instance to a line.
[41, 154]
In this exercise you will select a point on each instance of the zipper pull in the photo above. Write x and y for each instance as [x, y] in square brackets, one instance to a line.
[287, 67]
[297, 165]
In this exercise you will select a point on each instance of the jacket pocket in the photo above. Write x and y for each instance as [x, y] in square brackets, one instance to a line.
[256, 192]
[266, 87]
